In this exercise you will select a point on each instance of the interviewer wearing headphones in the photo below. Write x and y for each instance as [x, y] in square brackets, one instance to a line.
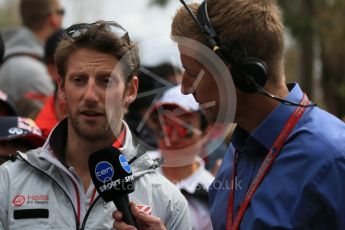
[286, 163]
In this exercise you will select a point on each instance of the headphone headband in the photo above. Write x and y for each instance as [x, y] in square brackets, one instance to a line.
[211, 35]
[247, 72]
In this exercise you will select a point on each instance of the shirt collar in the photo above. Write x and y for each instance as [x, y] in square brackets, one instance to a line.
[262, 138]
[244, 143]
[267, 132]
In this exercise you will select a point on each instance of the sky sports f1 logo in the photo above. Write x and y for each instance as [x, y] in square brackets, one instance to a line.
[124, 163]
[104, 171]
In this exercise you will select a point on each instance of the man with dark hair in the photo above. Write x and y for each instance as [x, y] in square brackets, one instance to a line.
[22, 70]
[98, 65]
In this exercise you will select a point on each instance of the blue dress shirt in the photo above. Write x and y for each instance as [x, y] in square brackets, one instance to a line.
[304, 188]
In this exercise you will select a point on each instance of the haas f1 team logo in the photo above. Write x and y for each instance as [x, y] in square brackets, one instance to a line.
[18, 200]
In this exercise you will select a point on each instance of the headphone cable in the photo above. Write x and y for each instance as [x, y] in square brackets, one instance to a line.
[264, 92]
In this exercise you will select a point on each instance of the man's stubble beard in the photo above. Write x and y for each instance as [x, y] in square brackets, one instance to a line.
[94, 135]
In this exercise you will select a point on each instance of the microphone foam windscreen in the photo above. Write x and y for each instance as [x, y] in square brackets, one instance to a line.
[111, 173]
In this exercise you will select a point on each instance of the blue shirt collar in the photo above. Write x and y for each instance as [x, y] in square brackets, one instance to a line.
[262, 138]
[267, 132]
[246, 144]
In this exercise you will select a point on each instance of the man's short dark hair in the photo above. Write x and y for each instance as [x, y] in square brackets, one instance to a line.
[98, 37]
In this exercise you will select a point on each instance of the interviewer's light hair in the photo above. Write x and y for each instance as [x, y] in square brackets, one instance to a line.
[255, 25]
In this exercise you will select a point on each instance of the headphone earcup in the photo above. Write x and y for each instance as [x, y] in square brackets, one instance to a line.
[245, 71]
[249, 69]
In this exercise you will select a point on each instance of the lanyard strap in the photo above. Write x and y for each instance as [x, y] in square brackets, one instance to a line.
[265, 166]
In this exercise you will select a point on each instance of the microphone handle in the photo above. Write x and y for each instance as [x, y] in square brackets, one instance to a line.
[122, 204]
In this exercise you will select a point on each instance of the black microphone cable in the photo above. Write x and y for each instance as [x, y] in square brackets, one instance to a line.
[264, 92]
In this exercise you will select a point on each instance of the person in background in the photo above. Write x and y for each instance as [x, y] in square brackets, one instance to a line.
[154, 80]
[53, 111]
[22, 70]
[18, 134]
[138, 111]
[180, 131]
[30, 105]
[49, 53]
[54, 108]
[168, 72]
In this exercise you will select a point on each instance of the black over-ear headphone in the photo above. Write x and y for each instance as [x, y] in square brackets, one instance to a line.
[249, 73]
[245, 71]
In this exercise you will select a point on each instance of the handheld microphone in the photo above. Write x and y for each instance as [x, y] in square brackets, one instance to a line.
[113, 179]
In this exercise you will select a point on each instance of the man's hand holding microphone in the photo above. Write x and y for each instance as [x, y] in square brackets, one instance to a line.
[113, 179]
[145, 221]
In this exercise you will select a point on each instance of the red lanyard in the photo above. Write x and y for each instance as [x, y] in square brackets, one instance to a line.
[265, 166]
